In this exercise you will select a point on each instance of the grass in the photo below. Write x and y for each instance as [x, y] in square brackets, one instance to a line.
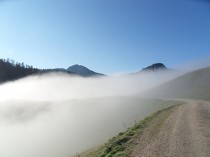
[193, 85]
[124, 142]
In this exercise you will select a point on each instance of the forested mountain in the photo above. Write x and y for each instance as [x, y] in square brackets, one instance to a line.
[11, 70]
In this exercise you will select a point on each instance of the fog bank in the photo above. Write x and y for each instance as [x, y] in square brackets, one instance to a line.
[59, 86]
[57, 115]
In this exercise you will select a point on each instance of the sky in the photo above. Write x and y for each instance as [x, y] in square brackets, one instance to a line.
[107, 36]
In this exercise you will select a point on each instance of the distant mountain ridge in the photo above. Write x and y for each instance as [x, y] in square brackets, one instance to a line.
[11, 70]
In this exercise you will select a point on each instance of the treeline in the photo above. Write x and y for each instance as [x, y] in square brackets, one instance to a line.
[11, 70]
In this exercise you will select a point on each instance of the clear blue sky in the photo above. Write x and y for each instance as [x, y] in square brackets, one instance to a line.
[107, 36]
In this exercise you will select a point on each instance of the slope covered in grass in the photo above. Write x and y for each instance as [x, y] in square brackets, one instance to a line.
[194, 85]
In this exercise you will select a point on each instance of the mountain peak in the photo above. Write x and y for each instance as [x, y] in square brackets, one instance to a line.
[155, 67]
[82, 71]
[77, 66]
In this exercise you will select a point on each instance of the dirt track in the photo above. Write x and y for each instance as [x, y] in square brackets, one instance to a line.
[185, 133]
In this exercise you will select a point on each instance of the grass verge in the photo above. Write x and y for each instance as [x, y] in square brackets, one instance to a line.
[124, 142]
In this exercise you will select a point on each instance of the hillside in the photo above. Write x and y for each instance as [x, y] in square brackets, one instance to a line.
[9, 70]
[193, 85]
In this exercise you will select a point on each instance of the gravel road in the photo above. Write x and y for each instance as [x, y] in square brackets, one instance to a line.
[185, 133]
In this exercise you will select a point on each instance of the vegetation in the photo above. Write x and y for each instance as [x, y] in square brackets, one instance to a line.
[9, 70]
[123, 143]
[193, 85]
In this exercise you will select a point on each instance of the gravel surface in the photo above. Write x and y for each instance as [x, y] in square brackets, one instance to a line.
[185, 133]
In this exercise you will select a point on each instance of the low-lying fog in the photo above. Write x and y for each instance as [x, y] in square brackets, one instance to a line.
[57, 115]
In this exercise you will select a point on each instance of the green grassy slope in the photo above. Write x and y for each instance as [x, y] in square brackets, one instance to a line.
[195, 85]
